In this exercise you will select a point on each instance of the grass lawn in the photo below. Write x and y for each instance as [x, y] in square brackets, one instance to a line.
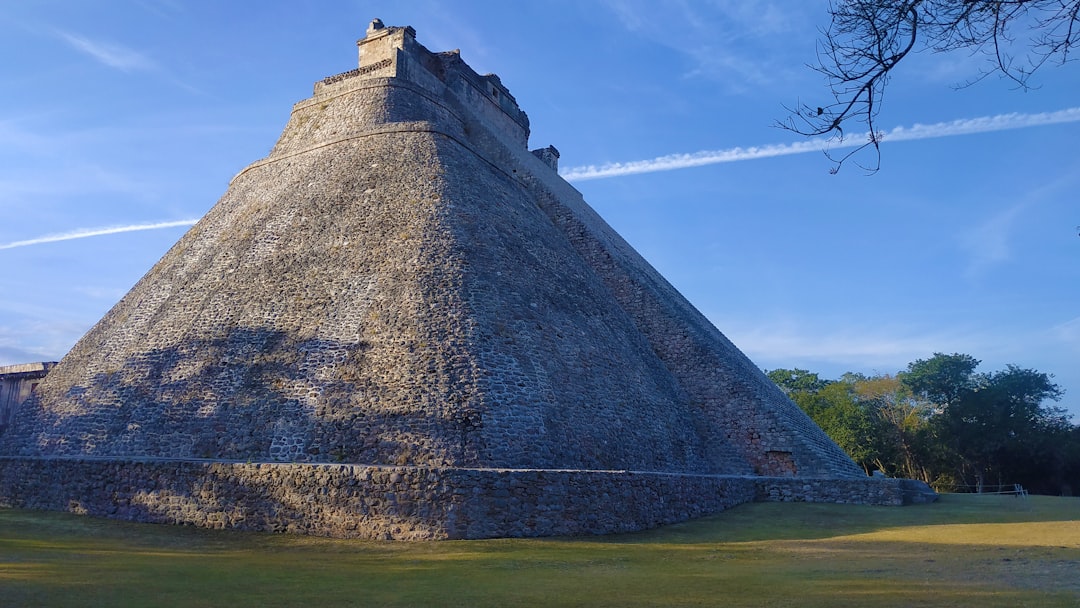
[961, 551]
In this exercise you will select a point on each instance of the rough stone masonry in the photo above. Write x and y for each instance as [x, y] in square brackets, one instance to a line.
[403, 324]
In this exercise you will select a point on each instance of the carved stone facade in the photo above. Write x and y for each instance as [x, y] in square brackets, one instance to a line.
[402, 323]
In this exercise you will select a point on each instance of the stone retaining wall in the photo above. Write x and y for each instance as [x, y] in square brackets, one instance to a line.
[865, 490]
[400, 503]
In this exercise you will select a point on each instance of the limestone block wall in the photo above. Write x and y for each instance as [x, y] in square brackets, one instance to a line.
[489, 101]
[400, 503]
[425, 313]
[735, 404]
[394, 51]
[565, 361]
[351, 501]
[279, 330]
[361, 108]
[852, 491]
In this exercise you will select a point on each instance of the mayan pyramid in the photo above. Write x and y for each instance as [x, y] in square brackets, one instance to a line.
[404, 324]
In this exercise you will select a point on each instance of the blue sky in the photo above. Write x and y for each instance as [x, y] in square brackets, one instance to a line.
[137, 113]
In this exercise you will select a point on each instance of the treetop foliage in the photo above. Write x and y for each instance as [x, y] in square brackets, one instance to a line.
[942, 378]
[945, 423]
[797, 380]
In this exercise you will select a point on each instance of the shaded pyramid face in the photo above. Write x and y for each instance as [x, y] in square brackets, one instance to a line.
[401, 282]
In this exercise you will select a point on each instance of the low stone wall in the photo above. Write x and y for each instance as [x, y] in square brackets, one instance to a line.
[861, 491]
[399, 503]
[354, 501]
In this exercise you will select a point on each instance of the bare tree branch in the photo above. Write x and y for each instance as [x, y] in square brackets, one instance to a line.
[866, 39]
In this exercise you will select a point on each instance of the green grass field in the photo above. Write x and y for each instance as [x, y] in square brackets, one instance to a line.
[961, 551]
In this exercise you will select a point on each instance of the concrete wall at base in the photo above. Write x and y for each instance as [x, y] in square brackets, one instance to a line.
[399, 503]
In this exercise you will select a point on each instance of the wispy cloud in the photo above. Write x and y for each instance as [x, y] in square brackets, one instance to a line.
[123, 58]
[730, 41]
[1068, 333]
[963, 126]
[886, 349]
[25, 339]
[988, 242]
[111, 55]
[83, 233]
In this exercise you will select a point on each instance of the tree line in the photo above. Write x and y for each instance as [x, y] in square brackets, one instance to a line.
[943, 422]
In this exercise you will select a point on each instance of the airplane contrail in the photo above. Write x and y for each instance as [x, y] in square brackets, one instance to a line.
[82, 233]
[963, 126]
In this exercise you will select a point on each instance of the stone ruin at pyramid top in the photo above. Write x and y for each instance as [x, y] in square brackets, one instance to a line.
[404, 324]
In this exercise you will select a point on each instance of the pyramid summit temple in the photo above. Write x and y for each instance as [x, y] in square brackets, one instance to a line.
[403, 324]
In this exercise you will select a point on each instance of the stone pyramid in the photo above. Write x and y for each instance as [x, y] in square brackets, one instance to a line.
[404, 324]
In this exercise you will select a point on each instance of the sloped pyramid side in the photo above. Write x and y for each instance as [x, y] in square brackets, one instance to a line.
[403, 324]
[401, 282]
[328, 309]
[390, 299]
[741, 406]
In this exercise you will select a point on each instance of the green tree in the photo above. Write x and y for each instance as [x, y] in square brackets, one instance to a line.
[1051, 462]
[905, 440]
[854, 426]
[1070, 473]
[943, 422]
[941, 380]
[837, 409]
[796, 380]
[996, 426]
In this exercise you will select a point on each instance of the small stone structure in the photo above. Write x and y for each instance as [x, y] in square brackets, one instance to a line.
[404, 324]
[17, 384]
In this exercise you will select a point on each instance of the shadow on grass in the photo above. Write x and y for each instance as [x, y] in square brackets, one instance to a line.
[756, 554]
[744, 523]
[807, 521]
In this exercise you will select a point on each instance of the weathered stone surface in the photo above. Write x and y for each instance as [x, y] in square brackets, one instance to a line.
[401, 503]
[413, 328]
[17, 384]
